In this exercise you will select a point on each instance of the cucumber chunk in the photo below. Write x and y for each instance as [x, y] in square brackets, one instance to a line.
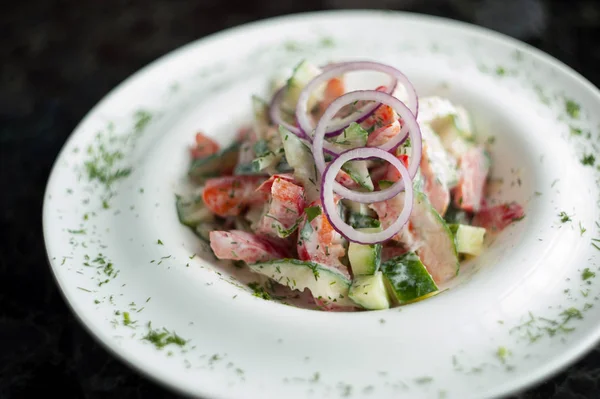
[214, 165]
[359, 221]
[352, 137]
[191, 212]
[299, 156]
[303, 73]
[370, 292]
[324, 282]
[438, 249]
[358, 171]
[365, 259]
[469, 239]
[407, 278]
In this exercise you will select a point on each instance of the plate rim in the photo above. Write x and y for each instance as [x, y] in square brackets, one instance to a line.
[524, 382]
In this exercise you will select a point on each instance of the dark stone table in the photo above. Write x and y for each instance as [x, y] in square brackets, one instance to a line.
[59, 57]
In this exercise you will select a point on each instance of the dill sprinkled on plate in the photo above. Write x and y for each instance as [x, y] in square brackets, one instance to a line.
[127, 320]
[259, 291]
[161, 338]
[572, 108]
[564, 217]
[423, 380]
[159, 242]
[80, 231]
[587, 274]
[575, 131]
[327, 42]
[502, 353]
[102, 165]
[142, 119]
[589, 159]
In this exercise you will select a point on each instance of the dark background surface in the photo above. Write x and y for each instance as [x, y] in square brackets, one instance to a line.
[59, 58]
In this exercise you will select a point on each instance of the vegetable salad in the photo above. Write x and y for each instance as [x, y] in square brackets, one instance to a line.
[367, 199]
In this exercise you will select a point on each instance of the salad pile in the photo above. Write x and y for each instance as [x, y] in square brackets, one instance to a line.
[368, 199]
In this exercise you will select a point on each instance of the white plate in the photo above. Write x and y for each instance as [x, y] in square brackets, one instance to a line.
[526, 313]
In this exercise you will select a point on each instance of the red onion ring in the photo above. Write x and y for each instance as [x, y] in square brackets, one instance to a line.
[409, 126]
[275, 114]
[331, 210]
[301, 108]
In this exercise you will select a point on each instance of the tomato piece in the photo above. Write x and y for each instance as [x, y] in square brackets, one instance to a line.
[335, 88]
[229, 195]
[474, 167]
[318, 241]
[384, 133]
[498, 217]
[383, 116]
[284, 209]
[266, 187]
[345, 180]
[392, 173]
[349, 109]
[240, 245]
[204, 147]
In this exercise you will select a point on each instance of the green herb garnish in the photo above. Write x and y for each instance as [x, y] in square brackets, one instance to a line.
[259, 291]
[312, 212]
[162, 338]
[589, 159]
[564, 217]
[572, 109]
[587, 274]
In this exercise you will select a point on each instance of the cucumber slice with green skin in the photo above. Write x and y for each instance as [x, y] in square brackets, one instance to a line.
[247, 169]
[365, 259]
[269, 153]
[214, 165]
[358, 171]
[359, 221]
[324, 282]
[438, 248]
[358, 208]
[352, 137]
[370, 292]
[192, 211]
[266, 161]
[407, 278]
[469, 239]
[303, 73]
[299, 156]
